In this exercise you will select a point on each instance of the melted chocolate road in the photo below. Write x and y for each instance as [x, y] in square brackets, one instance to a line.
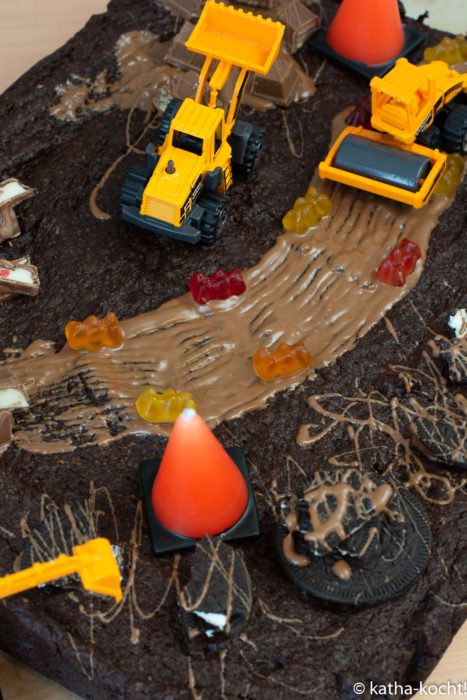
[318, 287]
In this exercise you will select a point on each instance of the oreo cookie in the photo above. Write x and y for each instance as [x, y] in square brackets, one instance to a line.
[216, 602]
[58, 532]
[441, 435]
[454, 354]
[374, 563]
[335, 505]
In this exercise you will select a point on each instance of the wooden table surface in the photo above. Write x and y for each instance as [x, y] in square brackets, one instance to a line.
[31, 29]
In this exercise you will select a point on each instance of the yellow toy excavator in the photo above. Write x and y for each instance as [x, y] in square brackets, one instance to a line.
[94, 561]
[415, 110]
[181, 190]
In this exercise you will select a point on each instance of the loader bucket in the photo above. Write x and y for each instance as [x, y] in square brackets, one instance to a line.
[236, 37]
[98, 568]
[374, 162]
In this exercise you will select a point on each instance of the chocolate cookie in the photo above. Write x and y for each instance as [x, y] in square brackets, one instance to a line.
[383, 557]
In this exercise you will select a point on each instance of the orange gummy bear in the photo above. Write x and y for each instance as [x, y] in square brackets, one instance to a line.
[283, 361]
[94, 333]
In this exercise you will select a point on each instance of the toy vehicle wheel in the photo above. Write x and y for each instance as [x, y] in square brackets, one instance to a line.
[431, 137]
[253, 148]
[215, 207]
[455, 130]
[169, 113]
[134, 185]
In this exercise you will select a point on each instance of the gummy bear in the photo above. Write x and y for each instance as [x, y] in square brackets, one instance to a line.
[450, 49]
[307, 211]
[283, 361]
[452, 177]
[94, 333]
[400, 262]
[155, 407]
[361, 114]
[220, 285]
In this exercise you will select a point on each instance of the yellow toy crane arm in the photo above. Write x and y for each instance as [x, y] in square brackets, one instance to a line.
[234, 38]
[94, 561]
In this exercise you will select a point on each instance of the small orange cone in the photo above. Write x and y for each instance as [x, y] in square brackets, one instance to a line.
[199, 489]
[369, 31]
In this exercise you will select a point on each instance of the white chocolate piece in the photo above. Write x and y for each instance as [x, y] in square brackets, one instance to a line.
[12, 191]
[22, 275]
[12, 398]
[215, 619]
[458, 323]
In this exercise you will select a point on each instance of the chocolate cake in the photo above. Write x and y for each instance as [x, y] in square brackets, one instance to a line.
[379, 396]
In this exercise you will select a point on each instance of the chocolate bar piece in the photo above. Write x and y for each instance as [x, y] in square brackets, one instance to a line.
[18, 277]
[300, 23]
[12, 393]
[264, 4]
[179, 56]
[285, 83]
[184, 8]
[12, 192]
[6, 425]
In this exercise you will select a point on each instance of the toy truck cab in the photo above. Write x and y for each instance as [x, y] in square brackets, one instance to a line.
[406, 101]
[192, 157]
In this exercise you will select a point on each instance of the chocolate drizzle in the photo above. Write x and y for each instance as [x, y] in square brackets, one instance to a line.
[342, 570]
[425, 397]
[58, 532]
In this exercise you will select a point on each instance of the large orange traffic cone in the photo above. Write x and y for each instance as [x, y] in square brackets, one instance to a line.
[198, 490]
[369, 31]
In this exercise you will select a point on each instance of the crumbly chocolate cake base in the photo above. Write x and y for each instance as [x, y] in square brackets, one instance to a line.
[293, 646]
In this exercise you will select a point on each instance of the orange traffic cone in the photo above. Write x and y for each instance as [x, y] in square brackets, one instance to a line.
[369, 31]
[198, 489]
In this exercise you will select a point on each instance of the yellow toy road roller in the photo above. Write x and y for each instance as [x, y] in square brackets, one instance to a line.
[180, 191]
[415, 111]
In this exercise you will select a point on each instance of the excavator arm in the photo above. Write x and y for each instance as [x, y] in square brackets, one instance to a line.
[93, 561]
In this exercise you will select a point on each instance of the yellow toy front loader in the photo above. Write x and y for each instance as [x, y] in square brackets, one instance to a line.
[181, 190]
[415, 111]
[94, 561]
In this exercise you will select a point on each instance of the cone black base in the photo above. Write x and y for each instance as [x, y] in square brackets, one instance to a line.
[319, 42]
[165, 541]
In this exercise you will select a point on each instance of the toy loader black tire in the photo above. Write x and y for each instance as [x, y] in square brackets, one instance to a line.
[431, 137]
[134, 185]
[215, 207]
[169, 113]
[455, 130]
[253, 147]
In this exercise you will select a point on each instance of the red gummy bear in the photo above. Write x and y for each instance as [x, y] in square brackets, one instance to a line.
[220, 285]
[361, 114]
[400, 262]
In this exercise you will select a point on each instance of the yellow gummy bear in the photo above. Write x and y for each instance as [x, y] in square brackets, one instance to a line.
[155, 407]
[452, 176]
[307, 211]
[450, 49]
